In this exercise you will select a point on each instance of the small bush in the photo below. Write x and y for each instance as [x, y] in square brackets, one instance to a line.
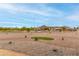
[43, 38]
[9, 42]
[35, 39]
[62, 38]
[55, 50]
[25, 36]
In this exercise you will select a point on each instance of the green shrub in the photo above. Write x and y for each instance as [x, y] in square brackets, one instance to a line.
[36, 39]
[43, 38]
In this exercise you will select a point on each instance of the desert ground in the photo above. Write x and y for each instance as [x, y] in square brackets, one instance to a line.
[68, 46]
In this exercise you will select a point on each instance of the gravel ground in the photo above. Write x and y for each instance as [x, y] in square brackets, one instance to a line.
[67, 47]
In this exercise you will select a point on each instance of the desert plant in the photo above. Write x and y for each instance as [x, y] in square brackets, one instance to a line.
[43, 38]
[10, 42]
[25, 36]
[55, 50]
[28, 29]
[62, 38]
[35, 39]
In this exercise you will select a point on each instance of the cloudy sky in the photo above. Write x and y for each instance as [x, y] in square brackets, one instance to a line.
[30, 15]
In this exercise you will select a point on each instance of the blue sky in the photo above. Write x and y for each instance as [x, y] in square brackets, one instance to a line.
[32, 14]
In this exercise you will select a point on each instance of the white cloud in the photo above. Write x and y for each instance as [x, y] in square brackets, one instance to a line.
[74, 15]
[43, 10]
[8, 7]
[5, 22]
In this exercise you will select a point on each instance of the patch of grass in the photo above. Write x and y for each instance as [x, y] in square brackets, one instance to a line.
[35, 39]
[42, 38]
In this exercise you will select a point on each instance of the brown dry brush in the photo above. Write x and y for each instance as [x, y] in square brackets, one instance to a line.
[10, 42]
[25, 36]
[55, 50]
[62, 38]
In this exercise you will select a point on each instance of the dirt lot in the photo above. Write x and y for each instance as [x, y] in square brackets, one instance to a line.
[16, 41]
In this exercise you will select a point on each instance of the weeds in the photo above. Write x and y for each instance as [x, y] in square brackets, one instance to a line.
[62, 38]
[55, 50]
[43, 38]
[35, 39]
[25, 36]
[10, 42]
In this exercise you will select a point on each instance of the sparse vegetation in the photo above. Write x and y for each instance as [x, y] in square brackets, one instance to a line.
[42, 28]
[10, 42]
[43, 38]
[62, 38]
[21, 41]
[35, 39]
[55, 50]
[25, 36]
[16, 29]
